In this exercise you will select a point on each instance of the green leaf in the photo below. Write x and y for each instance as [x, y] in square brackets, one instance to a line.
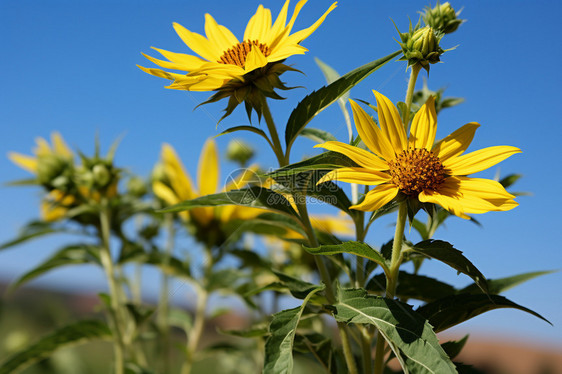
[168, 264]
[279, 345]
[409, 335]
[32, 230]
[321, 348]
[452, 310]
[314, 103]
[254, 196]
[298, 288]
[355, 248]
[224, 279]
[76, 333]
[497, 286]
[255, 331]
[324, 161]
[444, 252]
[454, 347]
[413, 286]
[253, 129]
[70, 255]
[317, 135]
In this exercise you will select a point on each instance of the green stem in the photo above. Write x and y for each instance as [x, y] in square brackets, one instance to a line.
[325, 276]
[391, 280]
[277, 149]
[164, 302]
[410, 93]
[107, 263]
[196, 331]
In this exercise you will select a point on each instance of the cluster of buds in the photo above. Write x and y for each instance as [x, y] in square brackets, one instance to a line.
[420, 45]
[442, 18]
[97, 177]
[54, 172]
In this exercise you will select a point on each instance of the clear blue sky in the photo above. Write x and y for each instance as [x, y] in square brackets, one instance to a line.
[70, 66]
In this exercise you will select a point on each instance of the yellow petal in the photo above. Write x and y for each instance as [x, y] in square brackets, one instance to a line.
[59, 146]
[168, 64]
[456, 143]
[198, 43]
[165, 193]
[247, 176]
[335, 225]
[203, 84]
[203, 215]
[377, 198]
[301, 35]
[390, 122]
[254, 60]
[42, 148]
[360, 156]
[219, 35]
[259, 25]
[208, 169]
[190, 62]
[179, 179]
[478, 160]
[28, 163]
[164, 74]
[424, 126]
[449, 202]
[278, 26]
[356, 175]
[370, 133]
[286, 50]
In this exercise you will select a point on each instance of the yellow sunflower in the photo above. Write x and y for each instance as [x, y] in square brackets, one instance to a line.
[48, 163]
[224, 57]
[415, 167]
[177, 186]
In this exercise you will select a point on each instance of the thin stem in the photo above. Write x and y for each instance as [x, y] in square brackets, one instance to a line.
[391, 280]
[107, 263]
[164, 302]
[410, 93]
[199, 319]
[277, 149]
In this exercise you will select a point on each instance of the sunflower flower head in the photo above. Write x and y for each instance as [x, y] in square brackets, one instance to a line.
[417, 169]
[421, 46]
[242, 71]
[442, 18]
[172, 184]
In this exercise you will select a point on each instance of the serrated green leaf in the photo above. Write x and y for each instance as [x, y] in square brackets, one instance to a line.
[76, 333]
[279, 345]
[454, 347]
[254, 196]
[69, 255]
[314, 103]
[413, 286]
[497, 286]
[409, 335]
[352, 247]
[452, 310]
[444, 252]
[317, 135]
[298, 288]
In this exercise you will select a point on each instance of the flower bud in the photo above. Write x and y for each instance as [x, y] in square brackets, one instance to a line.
[442, 18]
[239, 151]
[136, 187]
[101, 175]
[421, 46]
[49, 167]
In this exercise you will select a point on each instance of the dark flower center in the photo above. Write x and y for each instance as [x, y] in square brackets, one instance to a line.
[416, 170]
[237, 54]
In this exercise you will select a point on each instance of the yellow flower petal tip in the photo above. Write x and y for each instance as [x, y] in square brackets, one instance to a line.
[415, 168]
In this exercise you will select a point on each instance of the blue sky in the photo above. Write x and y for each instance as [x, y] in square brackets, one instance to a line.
[69, 66]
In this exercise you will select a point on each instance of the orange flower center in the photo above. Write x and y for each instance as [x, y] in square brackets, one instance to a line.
[416, 170]
[237, 54]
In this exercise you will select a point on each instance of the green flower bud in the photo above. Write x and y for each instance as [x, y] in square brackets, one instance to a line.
[49, 167]
[239, 151]
[442, 18]
[136, 187]
[101, 175]
[421, 46]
